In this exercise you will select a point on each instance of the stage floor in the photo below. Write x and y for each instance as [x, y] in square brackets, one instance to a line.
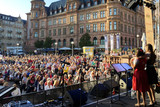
[125, 101]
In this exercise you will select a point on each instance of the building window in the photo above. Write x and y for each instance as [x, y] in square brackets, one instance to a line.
[102, 41]
[115, 11]
[133, 42]
[64, 31]
[70, 7]
[129, 30]
[110, 25]
[88, 16]
[54, 22]
[55, 12]
[81, 17]
[42, 33]
[129, 42]
[129, 18]
[125, 40]
[110, 11]
[59, 32]
[71, 30]
[89, 4]
[102, 27]
[125, 16]
[103, 1]
[64, 20]
[64, 42]
[50, 22]
[49, 33]
[36, 35]
[95, 3]
[59, 43]
[81, 29]
[65, 10]
[60, 11]
[102, 14]
[121, 40]
[95, 15]
[74, 6]
[94, 41]
[88, 28]
[42, 24]
[82, 6]
[54, 32]
[125, 28]
[59, 21]
[115, 25]
[94, 27]
[36, 25]
[132, 30]
[36, 14]
[71, 19]
[122, 27]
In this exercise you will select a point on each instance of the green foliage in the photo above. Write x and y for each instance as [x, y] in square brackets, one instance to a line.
[85, 40]
[39, 44]
[48, 42]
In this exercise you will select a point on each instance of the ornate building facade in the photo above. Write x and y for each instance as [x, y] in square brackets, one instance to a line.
[67, 20]
[12, 31]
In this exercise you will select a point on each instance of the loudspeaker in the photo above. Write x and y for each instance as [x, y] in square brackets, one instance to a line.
[109, 86]
[75, 97]
[123, 84]
[102, 90]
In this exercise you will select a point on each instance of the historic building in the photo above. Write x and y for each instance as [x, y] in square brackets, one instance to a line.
[67, 20]
[12, 32]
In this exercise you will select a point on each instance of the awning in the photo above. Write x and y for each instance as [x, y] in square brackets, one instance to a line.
[65, 48]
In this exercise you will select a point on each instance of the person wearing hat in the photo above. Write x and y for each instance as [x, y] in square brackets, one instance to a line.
[16, 92]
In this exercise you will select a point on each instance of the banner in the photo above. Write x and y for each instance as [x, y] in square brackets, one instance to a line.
[118, 41]
[106, 44]
[112, 41]
[149, 25]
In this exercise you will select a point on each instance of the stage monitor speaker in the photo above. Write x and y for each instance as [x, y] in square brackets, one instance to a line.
[102, 91]
[110, 87]
[123, 84]
[75, 97]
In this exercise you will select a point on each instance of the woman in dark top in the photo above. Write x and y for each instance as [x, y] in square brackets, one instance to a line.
[152, 74]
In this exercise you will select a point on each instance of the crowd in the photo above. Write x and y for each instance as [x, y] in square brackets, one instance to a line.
[42, 72]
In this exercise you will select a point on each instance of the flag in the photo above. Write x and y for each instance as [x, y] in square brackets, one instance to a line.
[112, 41]
[106, 44]
[118, 41]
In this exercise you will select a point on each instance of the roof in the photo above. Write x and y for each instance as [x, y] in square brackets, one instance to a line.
[38, 0]
[10, 18]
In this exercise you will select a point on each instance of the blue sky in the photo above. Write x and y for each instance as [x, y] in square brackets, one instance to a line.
[18, 7]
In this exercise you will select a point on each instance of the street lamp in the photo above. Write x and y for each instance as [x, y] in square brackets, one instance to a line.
[56, 48]
[137, 41]
[72, 47]
[17, 48]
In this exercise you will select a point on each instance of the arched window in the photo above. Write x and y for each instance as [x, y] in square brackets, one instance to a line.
[64, 42]
[95, 41]
[54, 41]
[129, 42]
[70, 7]
[74, 6]
[59, 42]
[121, 40]
[125, 40]
[102, 40]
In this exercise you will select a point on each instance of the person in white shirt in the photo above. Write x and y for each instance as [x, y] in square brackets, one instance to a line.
[17, 91]
[49, 85]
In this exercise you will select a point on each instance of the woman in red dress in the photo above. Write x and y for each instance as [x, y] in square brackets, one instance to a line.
[140, 78]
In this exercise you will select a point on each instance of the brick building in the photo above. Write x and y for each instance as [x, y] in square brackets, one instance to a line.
[68, 20]
[12, 32]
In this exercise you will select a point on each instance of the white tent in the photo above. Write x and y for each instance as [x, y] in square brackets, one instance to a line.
[77, 48]
[65, 48]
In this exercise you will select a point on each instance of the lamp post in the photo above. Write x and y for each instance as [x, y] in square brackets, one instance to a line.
[17, 48]
[137, 41]
[56, 48]
[72, 47]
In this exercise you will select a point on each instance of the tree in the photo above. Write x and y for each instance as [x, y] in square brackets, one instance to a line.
[85, 40]
[39, 44]
[48, 42]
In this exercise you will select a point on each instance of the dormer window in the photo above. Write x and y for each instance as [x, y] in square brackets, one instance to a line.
[60, 11]
[37, 6]
[89, 4]
[50, 12]
[55, 12]
[70, 7]
[82, 6]
[95, 2]
[65, 10]
[103, 1]
[74, 6]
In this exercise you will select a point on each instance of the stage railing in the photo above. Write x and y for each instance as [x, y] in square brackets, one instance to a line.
[40, 97]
